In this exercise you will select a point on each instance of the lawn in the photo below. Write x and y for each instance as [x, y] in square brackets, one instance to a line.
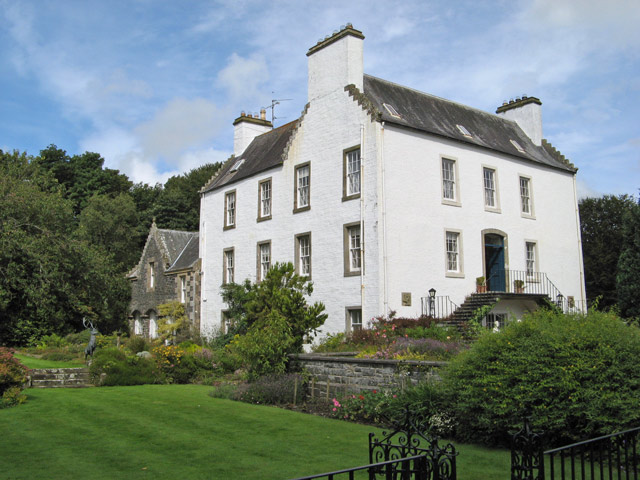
[178, 431]
[33, 362]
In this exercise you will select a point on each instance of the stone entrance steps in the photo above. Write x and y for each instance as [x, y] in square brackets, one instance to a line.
[59, 378]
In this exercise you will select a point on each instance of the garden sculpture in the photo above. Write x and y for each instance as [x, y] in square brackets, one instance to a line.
[92, 341]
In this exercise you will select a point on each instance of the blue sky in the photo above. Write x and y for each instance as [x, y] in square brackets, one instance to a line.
[154, 86]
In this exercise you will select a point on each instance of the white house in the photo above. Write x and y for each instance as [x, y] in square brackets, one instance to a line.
[380, 193]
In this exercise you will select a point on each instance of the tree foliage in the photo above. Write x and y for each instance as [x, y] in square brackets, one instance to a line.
[628, 279]
[576, 377]
[601, 222]
[173, 321]
[274, 316]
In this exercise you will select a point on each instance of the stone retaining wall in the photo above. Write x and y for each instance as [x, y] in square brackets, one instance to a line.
[331, 374]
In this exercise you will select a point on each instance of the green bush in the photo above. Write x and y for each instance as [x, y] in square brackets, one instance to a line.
[52, 341]
[121, 369]
[138, 344]
[59, 356]
[272, 390]
[13, 376]
[576, 376]
[80, 338]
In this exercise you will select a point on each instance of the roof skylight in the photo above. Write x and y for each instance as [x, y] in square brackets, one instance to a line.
[463, 130]
[237, 165]
[391, 109]
[517, 145]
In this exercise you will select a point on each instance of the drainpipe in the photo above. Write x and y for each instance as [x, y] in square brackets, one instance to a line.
[362, 250]
[383, 202]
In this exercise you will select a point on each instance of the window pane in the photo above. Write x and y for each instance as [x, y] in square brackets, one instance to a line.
[353, 172]
[265, 259]
[452, 251]
[531, 258]
[229, 266]
[524, 195]
[354, 248]
[489, 188]
[303, 186]
[304, 248]
[355, 319]
[448, 179]
[231, 208]
[265, 199]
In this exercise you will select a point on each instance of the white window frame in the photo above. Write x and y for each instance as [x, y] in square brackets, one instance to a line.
[303, 254]
[263, 259]
[353, 254]
[526, 196]
[228, 265]
[183, 289]
[265, 199]
[353, 318]
[230, 209]
[152, 275]
[490, 189]
[531, 258]
[352, 178]
[153, 325]
[449, 181]
[302, 188]
[453, 253]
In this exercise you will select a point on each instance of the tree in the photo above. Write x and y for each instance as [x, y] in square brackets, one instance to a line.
[111, 223]
[50, 279]
[628, 279]
[178, 205]
[276, 316]
[601, 228]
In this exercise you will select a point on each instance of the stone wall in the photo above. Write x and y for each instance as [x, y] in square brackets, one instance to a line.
[331, 374]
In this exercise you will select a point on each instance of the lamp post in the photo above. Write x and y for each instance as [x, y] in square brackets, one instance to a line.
[560, 301]
[432, 302]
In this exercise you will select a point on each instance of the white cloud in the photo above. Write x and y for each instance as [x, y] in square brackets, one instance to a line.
[182, 124]
[242, 77]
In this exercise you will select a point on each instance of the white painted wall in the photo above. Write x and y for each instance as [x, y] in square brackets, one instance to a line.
[417, 218]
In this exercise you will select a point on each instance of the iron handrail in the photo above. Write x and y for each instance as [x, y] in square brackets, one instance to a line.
[372, 466]
[591, 440]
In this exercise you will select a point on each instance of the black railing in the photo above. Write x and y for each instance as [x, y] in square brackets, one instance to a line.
[607, 457]
[537, 283]
[402, 469]
[440, 307]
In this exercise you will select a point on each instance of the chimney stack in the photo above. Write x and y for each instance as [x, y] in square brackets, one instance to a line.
[527, 113]
[335, 62]
[248, 127]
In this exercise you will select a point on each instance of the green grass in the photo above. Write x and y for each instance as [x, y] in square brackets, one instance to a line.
[33, 362]
[178, 431]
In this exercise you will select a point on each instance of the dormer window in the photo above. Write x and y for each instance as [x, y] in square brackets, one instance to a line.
[391, 109]
[463, 131]
[237, 165]
[517, 145]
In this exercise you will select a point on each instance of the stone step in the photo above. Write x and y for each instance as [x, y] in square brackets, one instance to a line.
[59, 378]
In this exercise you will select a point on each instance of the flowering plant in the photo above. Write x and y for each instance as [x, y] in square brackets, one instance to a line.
[367, 406]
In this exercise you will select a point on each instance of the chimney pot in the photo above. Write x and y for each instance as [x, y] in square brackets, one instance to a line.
[349, 25]
[263, 114]
[242, 114]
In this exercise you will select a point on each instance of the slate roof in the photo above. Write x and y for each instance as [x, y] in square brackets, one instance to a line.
[419, 111]
[188, 257]
[170, 242]
[435, 115]
[264, 152]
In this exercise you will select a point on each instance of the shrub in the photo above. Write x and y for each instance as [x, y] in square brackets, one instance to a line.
[121, 369]
[369, 406]
[273, 390]
[13, 376]
[575, 375]
[52, 341]
[80, 338]
[138, 344]
[59, 356]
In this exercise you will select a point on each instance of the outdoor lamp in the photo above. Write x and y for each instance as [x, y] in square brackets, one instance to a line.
[559, 299]
[432, 306]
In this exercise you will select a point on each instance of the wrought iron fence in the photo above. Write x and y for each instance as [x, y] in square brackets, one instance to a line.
[401, 469]
[440, 307]
[607, 457]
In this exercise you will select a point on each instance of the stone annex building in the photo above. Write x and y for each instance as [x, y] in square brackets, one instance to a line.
[168, 271]
[390, 199]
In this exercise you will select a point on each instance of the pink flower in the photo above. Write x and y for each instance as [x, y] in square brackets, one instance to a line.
[334, 409]
[395, 396]
[375, 391]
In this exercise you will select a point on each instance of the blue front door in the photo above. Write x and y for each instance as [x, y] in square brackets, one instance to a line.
[494, 262]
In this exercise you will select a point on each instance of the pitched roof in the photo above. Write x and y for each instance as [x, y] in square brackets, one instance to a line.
[435, 115]
[188, 257]
[170, 242]
[264, 152]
